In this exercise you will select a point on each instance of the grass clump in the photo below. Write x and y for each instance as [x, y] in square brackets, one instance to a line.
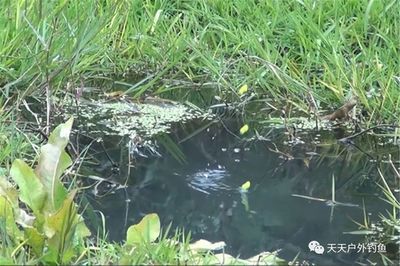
[199, 49]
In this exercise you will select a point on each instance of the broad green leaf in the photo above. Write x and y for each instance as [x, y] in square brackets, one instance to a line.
[53, 161]
[31, 189]
[81, 228]
[146, 231]
[7, 218]
[60, 230]
[64, 216]
[244, 129]
[7, 190]
[60, 135]
[35, 240]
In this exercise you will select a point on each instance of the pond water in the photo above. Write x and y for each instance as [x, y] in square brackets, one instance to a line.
[201, 192]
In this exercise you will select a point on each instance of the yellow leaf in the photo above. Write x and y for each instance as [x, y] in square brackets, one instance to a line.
[243, 89]
[306, 162]
[246, 185]
[114, 94]
[244, 129]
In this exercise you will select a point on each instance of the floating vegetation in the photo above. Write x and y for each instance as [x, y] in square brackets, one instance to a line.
[127, 118]
[300, 123]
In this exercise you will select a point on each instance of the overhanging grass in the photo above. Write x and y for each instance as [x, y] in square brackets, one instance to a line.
[199, 49]
[284, 49]
[13, 143]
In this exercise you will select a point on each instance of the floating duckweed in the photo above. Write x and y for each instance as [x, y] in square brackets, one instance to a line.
[125, 118]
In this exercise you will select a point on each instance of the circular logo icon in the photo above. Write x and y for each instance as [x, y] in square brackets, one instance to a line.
[316, 247]
[312, 245]
[319, 249]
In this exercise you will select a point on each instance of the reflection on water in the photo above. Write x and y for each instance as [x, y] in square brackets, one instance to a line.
[202, 195]
[208, 180]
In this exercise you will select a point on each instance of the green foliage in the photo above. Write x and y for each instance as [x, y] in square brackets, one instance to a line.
[284, 49]
[146, 231]
[142, 247]
[12, 142]
[31, 189]
[51, 225]
[47, 229]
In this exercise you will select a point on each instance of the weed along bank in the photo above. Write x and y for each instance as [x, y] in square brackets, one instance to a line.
[199, 132]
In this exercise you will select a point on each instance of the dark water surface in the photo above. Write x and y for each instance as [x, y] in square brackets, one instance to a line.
[202, 195]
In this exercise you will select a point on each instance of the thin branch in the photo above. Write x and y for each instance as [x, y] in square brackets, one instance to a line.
[346, 139]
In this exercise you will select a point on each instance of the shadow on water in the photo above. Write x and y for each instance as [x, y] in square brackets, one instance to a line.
[202, 194]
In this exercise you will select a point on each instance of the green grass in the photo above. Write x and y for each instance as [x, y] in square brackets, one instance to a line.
[101, 252]
[13, 143]
[195, 50]
[199, 49]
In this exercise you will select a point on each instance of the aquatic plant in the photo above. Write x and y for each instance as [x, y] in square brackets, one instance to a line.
[50, 224]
